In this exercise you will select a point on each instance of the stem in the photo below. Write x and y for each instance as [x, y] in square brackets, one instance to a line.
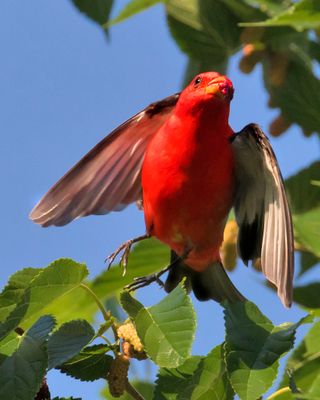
[133, 392]
[110, 344]
[105, 313]
[279, 392]
[312, 357]
[106, 340]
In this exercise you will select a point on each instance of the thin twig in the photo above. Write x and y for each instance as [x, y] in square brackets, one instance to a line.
[106, 314]
[279, 392]
[133, 392]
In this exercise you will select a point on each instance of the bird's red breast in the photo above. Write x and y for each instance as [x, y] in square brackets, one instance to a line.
[188, 173]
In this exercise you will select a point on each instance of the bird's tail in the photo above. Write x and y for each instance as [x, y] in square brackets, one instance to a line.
[213, 283]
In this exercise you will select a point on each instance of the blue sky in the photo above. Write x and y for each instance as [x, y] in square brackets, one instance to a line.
[64, 87]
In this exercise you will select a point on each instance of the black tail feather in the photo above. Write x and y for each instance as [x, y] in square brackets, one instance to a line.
[213, 283]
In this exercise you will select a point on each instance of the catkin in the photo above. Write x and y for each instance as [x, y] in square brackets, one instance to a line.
[128, 333]
[118, 375]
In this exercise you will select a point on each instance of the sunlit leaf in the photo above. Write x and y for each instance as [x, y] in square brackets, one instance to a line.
[304, 364]
[132, 8]
[55, 280]
[304, 14]
[268, 6]
[253, 348]
[65, 308]
[210, 378]
[167, 329]
[14, 289]
[147, 257]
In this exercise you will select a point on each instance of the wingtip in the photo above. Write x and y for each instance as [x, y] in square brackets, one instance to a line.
[37, 217]
[286, 297]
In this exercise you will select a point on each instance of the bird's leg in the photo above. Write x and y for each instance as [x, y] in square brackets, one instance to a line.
[143, 281]
[125, 247]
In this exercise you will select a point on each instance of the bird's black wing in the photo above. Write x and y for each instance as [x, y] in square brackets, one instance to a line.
[262, 210]
[108, 178]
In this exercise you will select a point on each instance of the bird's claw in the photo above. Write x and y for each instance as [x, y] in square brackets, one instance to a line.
[144, 281]
[125, 247]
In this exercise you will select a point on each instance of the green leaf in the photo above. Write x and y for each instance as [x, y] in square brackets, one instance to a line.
[97, 10]
[270, 7]
[194, 67]
[167, 329]
[305, 202]
[52, 282]
[90, 364]
[308, 295]
[172, 382]
[199, 378]
[13, 291]
[66, 398]
[132, 8]
[307, 228]
[58, 278]
[65, 308]
[253, 348]
[207, 31]
[304, 14]
[21, 374]
[304, 364]
[221, 23]
[144, 259]
[303, 195]
[130, 304]
[308, 261]
[299, 99]
[67, 341]
[211, 381]
[147, 257]
[315, 183]
[185, 25]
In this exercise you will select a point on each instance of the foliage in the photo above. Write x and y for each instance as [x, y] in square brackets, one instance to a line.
[46, 313]
[245, 364]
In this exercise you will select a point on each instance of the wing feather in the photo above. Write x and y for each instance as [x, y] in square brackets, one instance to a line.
[262, 210]
[108, 178]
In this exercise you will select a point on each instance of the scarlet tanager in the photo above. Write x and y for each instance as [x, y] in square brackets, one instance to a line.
[182, 161]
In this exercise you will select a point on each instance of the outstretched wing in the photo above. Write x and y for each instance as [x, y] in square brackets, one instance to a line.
[262, 210]
[108, 178]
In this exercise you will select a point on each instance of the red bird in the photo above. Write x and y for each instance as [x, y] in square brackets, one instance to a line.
[181, 160]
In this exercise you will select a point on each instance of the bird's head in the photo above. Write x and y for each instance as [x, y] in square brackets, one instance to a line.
[208, 88]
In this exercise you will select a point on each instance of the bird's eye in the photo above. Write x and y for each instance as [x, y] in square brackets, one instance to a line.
[197, 81]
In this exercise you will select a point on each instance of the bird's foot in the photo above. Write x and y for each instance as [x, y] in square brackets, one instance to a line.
[125, 247]
[143, 281]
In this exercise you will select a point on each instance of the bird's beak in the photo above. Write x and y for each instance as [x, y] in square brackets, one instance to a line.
[221, 87]
[212, 87]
